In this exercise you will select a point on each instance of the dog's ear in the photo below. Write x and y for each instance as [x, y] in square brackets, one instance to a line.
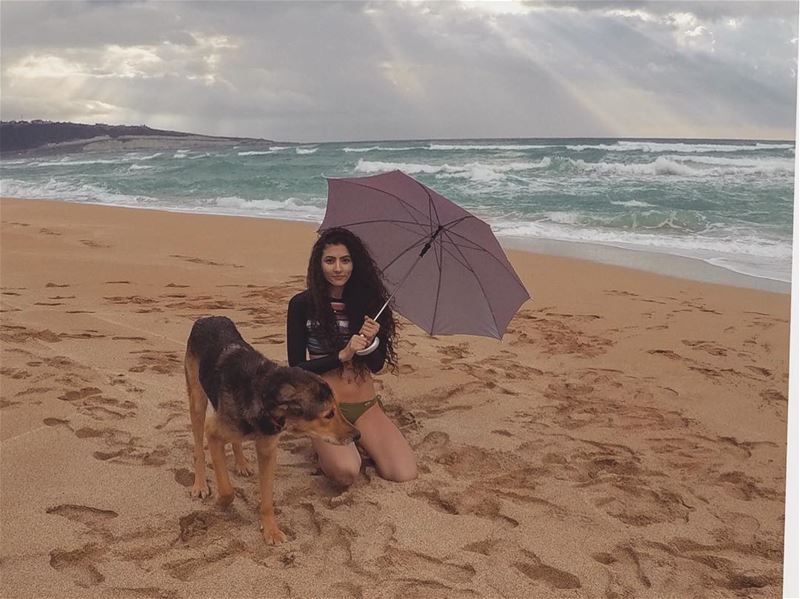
[286, 403]
[286, 394]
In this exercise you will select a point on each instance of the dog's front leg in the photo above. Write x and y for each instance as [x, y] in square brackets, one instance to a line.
[216, 447]
[267, 451]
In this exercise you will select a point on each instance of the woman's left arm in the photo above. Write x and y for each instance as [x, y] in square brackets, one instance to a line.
[377, 358]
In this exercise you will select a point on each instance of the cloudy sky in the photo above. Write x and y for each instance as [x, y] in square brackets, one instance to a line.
[324, 71]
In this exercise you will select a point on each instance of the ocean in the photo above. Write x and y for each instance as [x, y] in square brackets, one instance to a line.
[723, 203]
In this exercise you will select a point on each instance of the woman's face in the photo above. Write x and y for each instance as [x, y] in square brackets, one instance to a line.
[337, 265]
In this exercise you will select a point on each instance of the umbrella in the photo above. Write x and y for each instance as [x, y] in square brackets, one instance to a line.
[449, 274]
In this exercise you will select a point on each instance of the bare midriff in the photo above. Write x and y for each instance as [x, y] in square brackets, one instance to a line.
[348, 388]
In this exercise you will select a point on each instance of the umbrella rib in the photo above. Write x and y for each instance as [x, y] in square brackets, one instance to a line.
[410, 230]
[478, 281]
[456, 258]
[431, 205]
[398, 198]
[382, 220]
[404, 252]
[483, 249]
[453, 223]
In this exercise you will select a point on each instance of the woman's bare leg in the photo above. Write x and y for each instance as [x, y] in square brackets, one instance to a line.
[386, 445]
[340, 463]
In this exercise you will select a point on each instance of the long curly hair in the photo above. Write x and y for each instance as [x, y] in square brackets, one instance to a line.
[364, 294]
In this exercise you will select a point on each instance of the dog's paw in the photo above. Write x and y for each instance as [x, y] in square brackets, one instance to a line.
[200, 489]
[243, 469]
[273, 535]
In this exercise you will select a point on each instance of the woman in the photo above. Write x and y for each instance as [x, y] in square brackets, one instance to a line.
[331, 321]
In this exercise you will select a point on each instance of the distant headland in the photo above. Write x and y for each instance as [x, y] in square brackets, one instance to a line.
[39, 135]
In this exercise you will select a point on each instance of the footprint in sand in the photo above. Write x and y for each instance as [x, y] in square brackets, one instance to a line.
[502, 433]
[130, 299]
[706, 346]
[161, 362]
[90, 334]
[15, 373]
[667, 353]
[184, 477]
[213, 559]
[628, 578]
[434, 570]
[94, 244]
[203, 303]
[746, 488]
[80, 394]
[203, 261]
[457, 352]
[547, 579]
[477, 503]
[194, 526]
[90, 516]
[774, 396]
[21, 334]
[551, 577]
[79, 564]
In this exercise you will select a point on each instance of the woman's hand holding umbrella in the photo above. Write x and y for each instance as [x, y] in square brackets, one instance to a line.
[364, 340]
[369, 331]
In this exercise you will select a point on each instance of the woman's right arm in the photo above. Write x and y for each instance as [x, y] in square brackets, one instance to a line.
[297, 340]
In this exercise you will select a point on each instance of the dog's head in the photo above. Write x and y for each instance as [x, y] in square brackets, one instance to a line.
[305, 404]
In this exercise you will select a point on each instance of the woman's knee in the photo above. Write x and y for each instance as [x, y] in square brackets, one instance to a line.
[399, 472]
[342, 473]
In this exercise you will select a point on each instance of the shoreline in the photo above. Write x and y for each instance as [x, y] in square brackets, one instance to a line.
[644, 260]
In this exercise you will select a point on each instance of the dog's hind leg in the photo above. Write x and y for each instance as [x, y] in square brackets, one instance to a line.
[198, 402]
[242, 466]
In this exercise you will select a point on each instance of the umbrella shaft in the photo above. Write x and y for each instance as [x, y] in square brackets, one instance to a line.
[397, 288]
[421, 254]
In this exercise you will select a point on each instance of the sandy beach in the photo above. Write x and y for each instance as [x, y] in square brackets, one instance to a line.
[625, 439]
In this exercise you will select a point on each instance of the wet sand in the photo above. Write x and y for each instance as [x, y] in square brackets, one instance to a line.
[625, 439]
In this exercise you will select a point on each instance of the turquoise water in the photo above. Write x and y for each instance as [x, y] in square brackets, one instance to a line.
[728, 203]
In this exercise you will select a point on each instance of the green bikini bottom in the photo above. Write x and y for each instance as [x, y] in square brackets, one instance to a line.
[353, 411]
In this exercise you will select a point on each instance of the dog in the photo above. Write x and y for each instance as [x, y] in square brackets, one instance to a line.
[252, 398]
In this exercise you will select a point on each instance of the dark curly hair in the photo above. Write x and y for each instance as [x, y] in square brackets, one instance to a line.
[364, 294]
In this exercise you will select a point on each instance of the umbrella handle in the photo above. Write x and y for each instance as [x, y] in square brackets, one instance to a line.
[370, 348]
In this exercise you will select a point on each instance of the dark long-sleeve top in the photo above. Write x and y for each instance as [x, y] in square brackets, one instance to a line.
[300, 335]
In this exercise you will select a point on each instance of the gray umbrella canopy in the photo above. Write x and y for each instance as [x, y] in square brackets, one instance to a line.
[462, 284]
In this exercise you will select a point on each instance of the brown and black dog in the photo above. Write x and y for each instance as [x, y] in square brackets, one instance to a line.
[253, 398]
